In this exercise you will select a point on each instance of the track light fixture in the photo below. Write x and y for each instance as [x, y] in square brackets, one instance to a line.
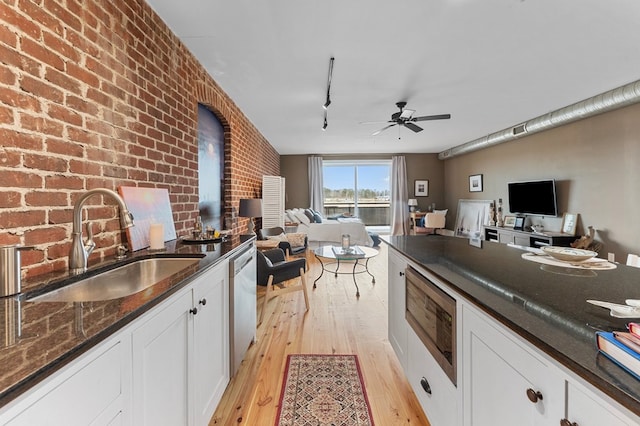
[328, 101]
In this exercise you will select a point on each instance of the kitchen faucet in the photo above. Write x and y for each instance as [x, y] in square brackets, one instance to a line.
[79, 251]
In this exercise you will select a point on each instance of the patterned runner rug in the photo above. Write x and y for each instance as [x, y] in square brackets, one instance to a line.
[323, 390]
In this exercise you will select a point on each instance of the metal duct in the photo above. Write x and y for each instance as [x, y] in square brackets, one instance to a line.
[607, 101]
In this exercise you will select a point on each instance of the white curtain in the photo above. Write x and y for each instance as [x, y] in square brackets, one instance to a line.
[399, 196]
[316, 197]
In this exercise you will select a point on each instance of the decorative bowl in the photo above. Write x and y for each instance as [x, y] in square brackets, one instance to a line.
[568, 254]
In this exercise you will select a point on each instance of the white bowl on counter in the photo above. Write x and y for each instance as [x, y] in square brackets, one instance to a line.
[569, 254]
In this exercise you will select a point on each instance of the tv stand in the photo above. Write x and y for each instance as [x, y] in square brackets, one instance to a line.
[525, 238]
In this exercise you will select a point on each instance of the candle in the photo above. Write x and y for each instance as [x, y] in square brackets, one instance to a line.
[156, 236]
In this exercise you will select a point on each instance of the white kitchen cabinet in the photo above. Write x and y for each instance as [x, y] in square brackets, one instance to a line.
[586, 409]
[398, 326]
[438, 396]
[181, 354]
[90, 391]
[504, 382]
[161, 351]
[211, 372]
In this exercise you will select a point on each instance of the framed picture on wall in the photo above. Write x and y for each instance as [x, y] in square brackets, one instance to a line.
[422, 188]
[475, 183]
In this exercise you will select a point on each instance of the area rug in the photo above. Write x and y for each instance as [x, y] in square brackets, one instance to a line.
[323, 390]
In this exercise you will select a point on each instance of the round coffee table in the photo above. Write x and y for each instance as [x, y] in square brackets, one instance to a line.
[360, 263]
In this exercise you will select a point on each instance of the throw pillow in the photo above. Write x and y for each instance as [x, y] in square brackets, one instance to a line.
[280, 237]
[444, 212]
[291, 217]
[317, 218]
[302, 218]
[296, 239]
[309, 214]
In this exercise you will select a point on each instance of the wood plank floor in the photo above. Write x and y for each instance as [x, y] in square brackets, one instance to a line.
[336, 323]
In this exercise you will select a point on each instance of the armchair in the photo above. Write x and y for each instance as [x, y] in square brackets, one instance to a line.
[274, 269]
[430, 222]
[284, 244]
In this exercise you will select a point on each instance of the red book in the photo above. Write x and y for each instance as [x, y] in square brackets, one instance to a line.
[634, 328]
[630, 340]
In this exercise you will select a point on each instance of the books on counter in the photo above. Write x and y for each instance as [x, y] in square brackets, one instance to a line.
[623, 348]
[354, 252]
[618, 352]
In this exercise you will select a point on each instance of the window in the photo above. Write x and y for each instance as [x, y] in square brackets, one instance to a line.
[358, 188]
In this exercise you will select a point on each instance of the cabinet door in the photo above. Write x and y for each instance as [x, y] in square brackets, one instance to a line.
[501, 376]
[160, 365]
[211, 341]
[505, 237]
[585, 409]
[396, 311]
[89, 391]
[440, 399]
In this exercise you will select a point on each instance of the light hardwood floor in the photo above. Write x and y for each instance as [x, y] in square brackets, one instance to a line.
[337, 322]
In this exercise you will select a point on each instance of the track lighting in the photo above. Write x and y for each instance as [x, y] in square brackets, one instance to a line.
[324, 126]
[326, 104]
[328, 101]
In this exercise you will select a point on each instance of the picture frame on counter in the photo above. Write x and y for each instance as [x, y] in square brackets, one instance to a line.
[569, 223]
[509, 221]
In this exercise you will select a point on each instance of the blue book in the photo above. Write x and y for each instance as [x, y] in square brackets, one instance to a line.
[619, 353]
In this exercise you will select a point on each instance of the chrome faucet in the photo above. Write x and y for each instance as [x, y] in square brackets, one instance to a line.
[79, 251]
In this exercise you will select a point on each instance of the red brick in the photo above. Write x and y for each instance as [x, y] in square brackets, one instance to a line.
[20, 100]
[40, 53]
[41, 89]
[62, 80]
[10, 199]
[45, 235]
[41, 125]
[19, 179]
[61, 113]
[46, 198]
[63, 182]
[22, 219]
[44, 162]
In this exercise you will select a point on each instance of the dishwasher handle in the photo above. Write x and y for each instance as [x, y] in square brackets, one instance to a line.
[242, 261]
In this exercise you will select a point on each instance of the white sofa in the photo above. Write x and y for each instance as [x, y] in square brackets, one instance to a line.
[330, 230]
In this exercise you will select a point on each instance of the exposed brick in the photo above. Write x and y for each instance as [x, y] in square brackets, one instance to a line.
[19, 179]
[10, 199]
[40, 53]
[46, 198]
[41, 89]
[62, 80]
[22, 219]
[44, 162]
[63, 182]
[45, 235]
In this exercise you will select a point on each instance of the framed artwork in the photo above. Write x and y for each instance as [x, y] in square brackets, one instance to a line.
[569, 223]
[422, 188]
[475, 183]
[471, 217]
[519, 223]
[509, 221]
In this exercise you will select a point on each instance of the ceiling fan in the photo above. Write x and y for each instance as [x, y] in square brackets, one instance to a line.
[405, 118]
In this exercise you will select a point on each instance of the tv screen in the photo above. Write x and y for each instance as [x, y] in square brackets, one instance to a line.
[533, 197]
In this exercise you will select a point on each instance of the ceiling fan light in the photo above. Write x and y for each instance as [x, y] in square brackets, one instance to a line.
[407, 113]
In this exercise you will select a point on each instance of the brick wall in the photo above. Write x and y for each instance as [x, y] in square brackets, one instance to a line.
[100, 93]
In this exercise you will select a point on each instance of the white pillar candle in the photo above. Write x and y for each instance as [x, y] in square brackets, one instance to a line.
[156, 236]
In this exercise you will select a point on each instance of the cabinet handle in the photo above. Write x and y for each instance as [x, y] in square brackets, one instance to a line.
[425, 385]
[194, 311]
[565, 422]
[203, 301]
[401, 274]
[534, 396]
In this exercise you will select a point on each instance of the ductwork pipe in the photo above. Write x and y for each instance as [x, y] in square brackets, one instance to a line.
[607, 101]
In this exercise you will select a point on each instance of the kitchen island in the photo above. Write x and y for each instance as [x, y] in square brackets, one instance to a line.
[545, 309]
[50, 344]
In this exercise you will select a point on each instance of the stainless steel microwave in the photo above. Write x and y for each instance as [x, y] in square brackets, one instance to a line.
[431, 313]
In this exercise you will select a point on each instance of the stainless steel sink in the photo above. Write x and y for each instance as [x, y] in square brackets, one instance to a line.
[119, 282]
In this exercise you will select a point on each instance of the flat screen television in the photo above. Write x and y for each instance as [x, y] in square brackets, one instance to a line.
[533, 197]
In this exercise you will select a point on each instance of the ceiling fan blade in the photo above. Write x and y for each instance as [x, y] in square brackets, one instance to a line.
[382, 130]
[375, 122]
[413, 127]
[432, 117]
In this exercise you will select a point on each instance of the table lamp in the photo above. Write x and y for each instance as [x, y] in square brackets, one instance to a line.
[251, 207]
[413, 203]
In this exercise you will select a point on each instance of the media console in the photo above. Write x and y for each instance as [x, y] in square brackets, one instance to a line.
[529, 239]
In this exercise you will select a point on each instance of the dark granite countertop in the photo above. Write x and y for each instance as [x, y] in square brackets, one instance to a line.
[545, 306]
[39, 338]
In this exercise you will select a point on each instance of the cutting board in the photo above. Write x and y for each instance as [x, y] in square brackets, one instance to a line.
[147, 205]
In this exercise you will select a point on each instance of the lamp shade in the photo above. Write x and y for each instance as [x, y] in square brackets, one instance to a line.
[250, 207]
[413, 202]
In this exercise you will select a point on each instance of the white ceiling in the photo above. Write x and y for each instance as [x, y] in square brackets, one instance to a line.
[491, 64]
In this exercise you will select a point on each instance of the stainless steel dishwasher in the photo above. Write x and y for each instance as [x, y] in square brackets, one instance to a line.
[242, 305]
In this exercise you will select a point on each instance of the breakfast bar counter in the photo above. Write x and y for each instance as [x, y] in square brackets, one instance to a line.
[545, 306]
